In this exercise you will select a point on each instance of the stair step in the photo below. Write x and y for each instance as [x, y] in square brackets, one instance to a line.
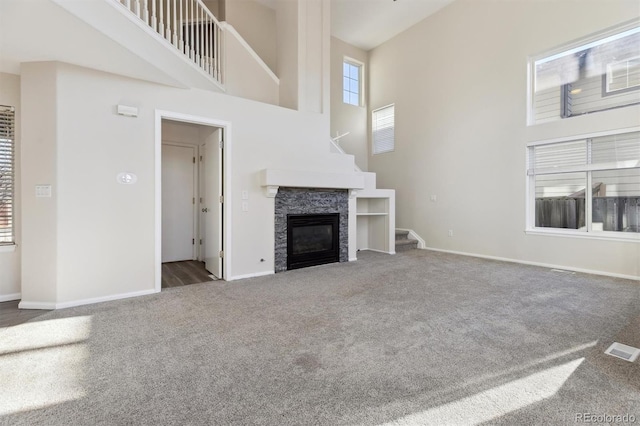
[401, 235]
[406, 244]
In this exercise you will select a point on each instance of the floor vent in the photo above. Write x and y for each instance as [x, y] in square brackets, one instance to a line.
[563, 271]
[621, 351]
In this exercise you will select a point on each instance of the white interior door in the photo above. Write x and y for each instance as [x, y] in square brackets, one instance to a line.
[178, 190]
[212, 189]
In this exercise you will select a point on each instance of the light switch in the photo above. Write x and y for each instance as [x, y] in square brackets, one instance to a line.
[245, 206]
[245, 194]
[434, 198]
[43, 191]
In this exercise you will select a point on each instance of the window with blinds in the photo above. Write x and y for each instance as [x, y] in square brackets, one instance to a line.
[383, 129]
[607, 165]
[7, 174]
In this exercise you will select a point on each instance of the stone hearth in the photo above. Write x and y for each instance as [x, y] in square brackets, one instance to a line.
[309, 201]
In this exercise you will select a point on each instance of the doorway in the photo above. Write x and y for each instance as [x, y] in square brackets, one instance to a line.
[190, 193]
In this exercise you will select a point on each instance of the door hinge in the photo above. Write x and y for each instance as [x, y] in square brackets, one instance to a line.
[194, 200]
[221, 253]
[222, 198]
[221, 144]
[200, 241]
[201, 158]
[193, 241]
[194, 160]
[200, 200]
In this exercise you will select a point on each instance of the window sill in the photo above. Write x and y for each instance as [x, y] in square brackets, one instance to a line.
[7, 248]
[628, 237]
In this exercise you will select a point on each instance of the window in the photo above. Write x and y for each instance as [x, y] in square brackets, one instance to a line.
[351, 79]
[560, 172]
[6, 174]
[383, 129]
[595, 74]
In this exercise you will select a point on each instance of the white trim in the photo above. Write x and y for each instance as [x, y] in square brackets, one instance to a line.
[254, 275]
[7, 248]
[9, 297]
[378, 251]
[628, 237]
[541, 264]
[421, 243]
[227, 220]
[579, 137]
[228, 27]
[49, 306]
[353, 259]
[36, 305]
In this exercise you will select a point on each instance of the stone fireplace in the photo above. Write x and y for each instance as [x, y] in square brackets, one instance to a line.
[311, 227]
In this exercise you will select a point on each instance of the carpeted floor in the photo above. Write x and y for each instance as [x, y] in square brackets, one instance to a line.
[416, 338]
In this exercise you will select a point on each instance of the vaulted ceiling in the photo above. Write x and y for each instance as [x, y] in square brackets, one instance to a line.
[369, 23]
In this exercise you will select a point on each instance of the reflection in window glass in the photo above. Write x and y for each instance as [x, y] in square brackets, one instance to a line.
[560, 200]
[595, 76]
[616, 200]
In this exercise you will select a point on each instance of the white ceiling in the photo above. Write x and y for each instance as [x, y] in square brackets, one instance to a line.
[369, 23]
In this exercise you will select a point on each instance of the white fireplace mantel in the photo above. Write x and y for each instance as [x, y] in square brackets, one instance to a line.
[272, 179]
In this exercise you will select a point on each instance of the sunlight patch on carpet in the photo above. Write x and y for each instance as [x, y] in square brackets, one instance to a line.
[497, 401]
[43, 363]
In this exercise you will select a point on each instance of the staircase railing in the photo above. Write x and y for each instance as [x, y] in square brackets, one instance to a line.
[188, 25]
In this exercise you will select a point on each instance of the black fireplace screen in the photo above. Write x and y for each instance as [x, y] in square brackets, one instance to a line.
[312, 239]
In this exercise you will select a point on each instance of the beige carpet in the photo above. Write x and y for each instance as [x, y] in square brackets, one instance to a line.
[416, 338]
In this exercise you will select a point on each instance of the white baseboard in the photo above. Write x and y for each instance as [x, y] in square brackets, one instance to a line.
[254, 275]
[377, 251]
[9, 297]
[415, 236]
[353, 259]
[544, 265]
[25, 304]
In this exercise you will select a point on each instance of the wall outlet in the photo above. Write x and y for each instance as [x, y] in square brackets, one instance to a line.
[451, 232]
[245, 206]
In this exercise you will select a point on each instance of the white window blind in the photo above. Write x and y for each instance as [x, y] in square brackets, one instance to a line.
[7, 172]
[383, 129]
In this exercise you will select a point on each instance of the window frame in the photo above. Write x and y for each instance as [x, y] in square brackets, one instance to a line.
[11, 143]
[588, 233]
[573, 46]
[360, 66]
[373, 143]
[605, 81]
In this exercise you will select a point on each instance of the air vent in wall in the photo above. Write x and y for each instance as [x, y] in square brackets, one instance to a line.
[621, 351]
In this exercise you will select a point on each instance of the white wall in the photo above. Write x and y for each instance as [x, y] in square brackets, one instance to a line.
[245, 76]
[256, 23]
[459, 84]
[346, 117]
[103, 231]
[10, 261]
[287, 44]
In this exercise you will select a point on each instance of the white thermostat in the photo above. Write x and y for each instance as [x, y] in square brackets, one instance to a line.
[127, 178]
[43, 191]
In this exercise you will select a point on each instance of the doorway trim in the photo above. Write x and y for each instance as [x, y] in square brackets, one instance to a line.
[226, 187]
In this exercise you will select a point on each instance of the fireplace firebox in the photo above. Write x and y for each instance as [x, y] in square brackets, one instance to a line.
[312, 239]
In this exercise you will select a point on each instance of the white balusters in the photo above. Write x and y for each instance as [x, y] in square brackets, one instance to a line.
[188, 25]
